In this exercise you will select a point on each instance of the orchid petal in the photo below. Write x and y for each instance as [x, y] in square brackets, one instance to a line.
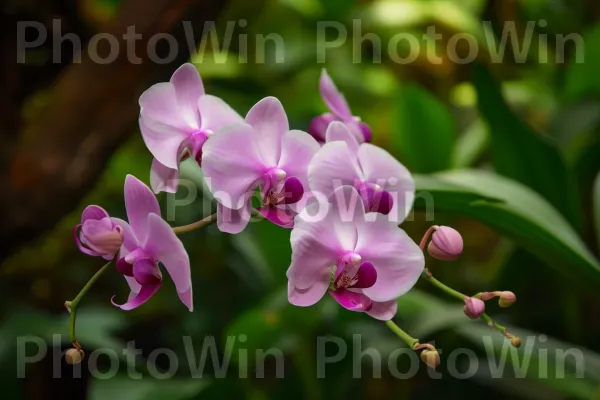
[93, 212]
[318, 126]
[130, 242]
[309, 296]
[163, 140]
[163, 245]
[293, 190]
[298, 149]
[338, 131]
[397, 258]
[124, 267]
[138, 298]
[232, 164]
[366, 275]
[216, 113]
[146, 272]
[269, 119]
[139, 202]
[383, 311]
[333, 166]
[322, 233]
[382, 168]
[163, 178]
[333, 98]
[233, 221]
[353, 301]
[188, 89]
[281, 216]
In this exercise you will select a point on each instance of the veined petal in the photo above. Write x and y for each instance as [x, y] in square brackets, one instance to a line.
[338, 131]
[216, 114]
[139, 202]
[163, 245]
[353, 301]
[163, 141]
[322, 233]
[93, 212]
[298, 149]
[270, 121]
[188, 88]
[163, 178]
[333, 98]
[398, 259]
[232, 164]
[139, 298]
[233, 221]
[309, 296]
[382, 168]
[333, 166]
[383, 311]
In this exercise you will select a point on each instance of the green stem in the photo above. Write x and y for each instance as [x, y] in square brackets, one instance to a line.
[409, 340]
[454, 293]
[73, 304]
[211, 219]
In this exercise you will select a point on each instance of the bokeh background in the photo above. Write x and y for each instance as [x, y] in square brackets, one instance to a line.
[508, 150]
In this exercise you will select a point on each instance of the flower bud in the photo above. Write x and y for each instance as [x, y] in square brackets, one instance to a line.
[430, 357]
[74, 356]
[473, 307]
[99, 234]
[507, 299]
[515, 341]
[446, 244]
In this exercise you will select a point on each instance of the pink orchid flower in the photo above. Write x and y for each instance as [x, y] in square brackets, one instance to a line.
[339, 111]
[261, 152]
[176, 118]
[148, 240]
[98, 235]
[364, 264]
[385, 185]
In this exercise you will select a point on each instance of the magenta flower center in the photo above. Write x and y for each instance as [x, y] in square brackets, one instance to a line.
[196, 141]
[374, 197]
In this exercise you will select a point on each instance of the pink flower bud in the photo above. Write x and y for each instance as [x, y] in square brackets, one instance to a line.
[507, 299]
[99, 234]
[446, 244]
[473, 307]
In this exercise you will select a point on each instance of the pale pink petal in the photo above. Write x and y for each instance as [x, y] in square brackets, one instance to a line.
[309, 296]
[333, 98]
[136, 299]
[163, 245]
[338, 131]
[233, 221]
[188, 89]
[93, 212]
[164, 141]
[397, 258]
[382, 168]
[130, 242]
[232, 164]
[163, 178]
[270, 122]
[217, 114]
[333, 166]
[139, 202]
[383, 311]
[298, 149]
[160, 104]
[323, 232]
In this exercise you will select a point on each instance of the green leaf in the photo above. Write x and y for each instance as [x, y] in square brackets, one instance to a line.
[424, 130]
[523, 155]
[146, 389]
[471, 145]
[582, 77]
[515, 211]
[596, 205]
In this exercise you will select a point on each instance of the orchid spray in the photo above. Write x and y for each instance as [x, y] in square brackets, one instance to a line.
[342, 197]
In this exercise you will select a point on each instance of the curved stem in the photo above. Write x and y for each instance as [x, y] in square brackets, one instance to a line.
[72, 305]
[211, 219]
[409, 340]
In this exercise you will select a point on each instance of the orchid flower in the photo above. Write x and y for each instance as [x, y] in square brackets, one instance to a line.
[384, 184]
[176, 118]
[339, 111]
[365, 265]
[261, 152]
[99, 235]
[148, 240]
